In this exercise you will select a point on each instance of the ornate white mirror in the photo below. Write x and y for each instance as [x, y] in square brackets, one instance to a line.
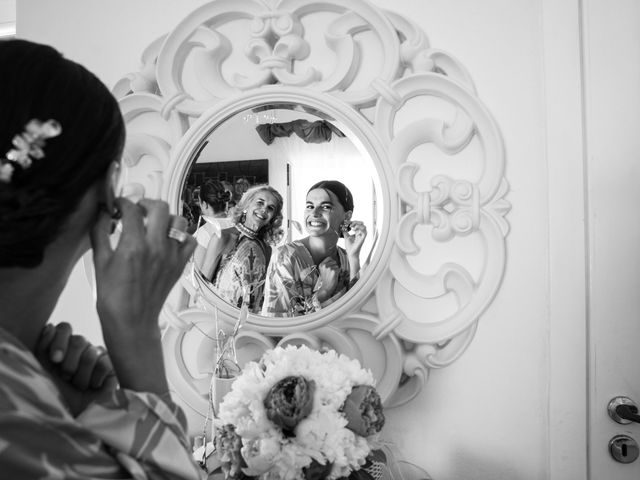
[433, 164]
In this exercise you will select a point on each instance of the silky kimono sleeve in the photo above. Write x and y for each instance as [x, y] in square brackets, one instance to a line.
[146, 432]
[280, 286]
[134, 436]
[125, 434]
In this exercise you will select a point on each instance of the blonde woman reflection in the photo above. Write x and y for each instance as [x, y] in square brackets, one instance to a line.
[236, 261]
[309, 274]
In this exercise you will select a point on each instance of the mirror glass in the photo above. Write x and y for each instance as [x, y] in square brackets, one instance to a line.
[289, 148]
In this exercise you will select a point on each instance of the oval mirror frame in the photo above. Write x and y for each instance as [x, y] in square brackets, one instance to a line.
[442, 250]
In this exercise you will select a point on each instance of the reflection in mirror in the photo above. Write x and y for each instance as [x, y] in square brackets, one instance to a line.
[264, 236]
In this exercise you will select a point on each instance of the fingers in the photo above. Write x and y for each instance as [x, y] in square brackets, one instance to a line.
[148, 219]
[356, 237]
[53, 342]
[187, 243]
[85, 366]
[357, 228]
[133, 228]
[151, 219]
[70, 365]
[100, 237]
[44, 341]
[74, 358]
[93, 369]
[157, 218]
[103, 372]
[60, 342]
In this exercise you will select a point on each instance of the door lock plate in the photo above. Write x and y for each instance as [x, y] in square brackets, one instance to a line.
[624, 449]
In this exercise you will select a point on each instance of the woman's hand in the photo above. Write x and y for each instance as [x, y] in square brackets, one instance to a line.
[329, 271]
[81, 371]
[353, 244]
[355, 237]
[133, 282]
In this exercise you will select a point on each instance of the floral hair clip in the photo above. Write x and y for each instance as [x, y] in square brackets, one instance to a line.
[28, 146]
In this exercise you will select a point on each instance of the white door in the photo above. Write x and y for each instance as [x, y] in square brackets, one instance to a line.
[612, 100]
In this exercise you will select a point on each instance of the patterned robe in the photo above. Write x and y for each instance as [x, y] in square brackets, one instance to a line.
[292, 279]
[243, 268]
[124, 435]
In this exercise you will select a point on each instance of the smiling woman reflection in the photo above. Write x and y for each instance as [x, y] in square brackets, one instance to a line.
[309, 274]
[236, 261]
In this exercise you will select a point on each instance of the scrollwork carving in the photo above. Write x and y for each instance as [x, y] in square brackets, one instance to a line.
[407, 315]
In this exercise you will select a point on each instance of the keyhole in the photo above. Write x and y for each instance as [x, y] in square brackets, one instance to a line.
[623, 449]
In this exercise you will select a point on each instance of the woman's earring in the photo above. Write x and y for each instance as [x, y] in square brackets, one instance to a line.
[243, 217]
[344, 227]
[116, 214]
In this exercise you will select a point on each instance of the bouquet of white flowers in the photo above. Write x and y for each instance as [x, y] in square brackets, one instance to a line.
[300, 414]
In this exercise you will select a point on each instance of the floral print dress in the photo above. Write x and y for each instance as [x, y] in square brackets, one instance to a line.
[124, 435]
[292, 280]
[242, 270]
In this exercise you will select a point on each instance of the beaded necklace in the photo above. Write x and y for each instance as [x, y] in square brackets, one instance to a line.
[246, 231]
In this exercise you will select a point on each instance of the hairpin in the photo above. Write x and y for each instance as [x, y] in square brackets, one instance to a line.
[28, 146]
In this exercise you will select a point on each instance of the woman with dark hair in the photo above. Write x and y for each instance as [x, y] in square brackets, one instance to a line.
[212, 199]
[236, 262]
[309, 274]
[61, 138]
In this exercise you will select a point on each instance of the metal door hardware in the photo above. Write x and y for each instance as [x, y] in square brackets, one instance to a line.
[624, 449]
[623, 410]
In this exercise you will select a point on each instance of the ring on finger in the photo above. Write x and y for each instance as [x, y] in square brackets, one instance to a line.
[177, 235]
[100, 350]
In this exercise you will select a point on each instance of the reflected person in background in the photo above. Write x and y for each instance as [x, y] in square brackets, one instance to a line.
[229, 188]
[309, 274]
[213, 199]
[236, 262]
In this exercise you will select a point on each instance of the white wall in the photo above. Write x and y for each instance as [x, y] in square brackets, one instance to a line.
[486, 417]
[7, 18]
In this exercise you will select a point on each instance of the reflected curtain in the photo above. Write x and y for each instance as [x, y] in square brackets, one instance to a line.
[319, 131]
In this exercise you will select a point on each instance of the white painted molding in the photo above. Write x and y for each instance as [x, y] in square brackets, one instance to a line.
[441, 252]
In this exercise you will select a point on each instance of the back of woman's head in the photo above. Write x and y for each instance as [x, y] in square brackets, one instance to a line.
[38, 83]
[213, 193]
